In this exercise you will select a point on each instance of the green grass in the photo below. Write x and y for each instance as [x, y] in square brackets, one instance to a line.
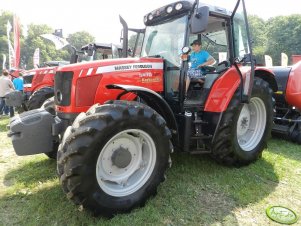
[197, 191]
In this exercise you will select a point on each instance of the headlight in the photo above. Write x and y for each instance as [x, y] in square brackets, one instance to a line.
[59, 96]
[179, 6]
[150, 16]
[169, 9]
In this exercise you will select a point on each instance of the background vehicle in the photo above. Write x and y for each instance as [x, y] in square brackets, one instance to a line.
[117, 121]
[288, 102]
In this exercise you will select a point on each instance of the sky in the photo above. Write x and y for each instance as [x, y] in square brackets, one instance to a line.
[100, 17]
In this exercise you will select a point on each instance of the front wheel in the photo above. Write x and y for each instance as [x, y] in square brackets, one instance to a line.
[49, 106]
[37, 99]
[114, 157]
[245, 128]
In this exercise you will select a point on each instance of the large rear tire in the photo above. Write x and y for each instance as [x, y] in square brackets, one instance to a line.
[245, 128]
[114, 156]
[37, 99]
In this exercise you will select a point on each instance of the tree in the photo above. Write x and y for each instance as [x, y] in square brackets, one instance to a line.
[80, 38]
[283, 35]
[258, 32]
[47, 48]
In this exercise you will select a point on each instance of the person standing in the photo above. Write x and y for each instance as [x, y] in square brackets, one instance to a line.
[18, 83]
[6, 86]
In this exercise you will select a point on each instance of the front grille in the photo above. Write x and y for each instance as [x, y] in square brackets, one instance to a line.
[27, 79]
[62, 88]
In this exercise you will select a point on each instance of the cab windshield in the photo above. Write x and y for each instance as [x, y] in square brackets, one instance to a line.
[165, 40]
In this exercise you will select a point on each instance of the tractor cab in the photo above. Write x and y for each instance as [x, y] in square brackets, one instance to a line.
[224, 35]
[99, 51]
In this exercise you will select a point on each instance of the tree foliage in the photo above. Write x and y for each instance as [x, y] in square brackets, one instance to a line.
[278, 34]
[283, 35]
[47, 48]
[34, 40]
[80, 38]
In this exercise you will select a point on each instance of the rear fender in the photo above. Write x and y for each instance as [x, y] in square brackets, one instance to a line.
[222, 91]
[224, 87]
[153, 100]
[268, 76]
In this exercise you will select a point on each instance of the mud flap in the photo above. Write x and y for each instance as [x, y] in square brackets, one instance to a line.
[31, 132]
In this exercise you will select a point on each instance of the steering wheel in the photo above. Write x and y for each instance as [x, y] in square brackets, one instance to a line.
[208, 68]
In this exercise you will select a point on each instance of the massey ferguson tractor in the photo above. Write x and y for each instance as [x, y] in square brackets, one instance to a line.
[38, 85]
[288, 102]
[117, 121]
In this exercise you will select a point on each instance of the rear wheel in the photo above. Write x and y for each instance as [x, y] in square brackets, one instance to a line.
[114, 157]
[245, 128]
[37, 99]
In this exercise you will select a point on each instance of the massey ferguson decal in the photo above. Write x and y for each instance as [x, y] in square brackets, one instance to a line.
[129, 67]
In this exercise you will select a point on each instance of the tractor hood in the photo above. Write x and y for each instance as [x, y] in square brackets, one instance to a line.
[79, 86]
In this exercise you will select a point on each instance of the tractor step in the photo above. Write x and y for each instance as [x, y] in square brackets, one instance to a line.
[201, 137]
[200, 122]
[192, 103]
[280, 129]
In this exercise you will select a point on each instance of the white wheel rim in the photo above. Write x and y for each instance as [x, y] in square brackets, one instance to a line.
[251, 124]
[126, 162]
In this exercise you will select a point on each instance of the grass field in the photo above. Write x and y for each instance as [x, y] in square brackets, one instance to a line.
[197, 191]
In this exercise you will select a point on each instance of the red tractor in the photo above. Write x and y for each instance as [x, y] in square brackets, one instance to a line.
[117, 121]
[39, 83]
[288, 102]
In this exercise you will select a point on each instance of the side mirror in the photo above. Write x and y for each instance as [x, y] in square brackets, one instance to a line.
[199, 20]
[90, 50]
[185, 51]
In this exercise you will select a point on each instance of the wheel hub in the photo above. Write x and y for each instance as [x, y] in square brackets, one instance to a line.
[126, 162]
[121, 157]
[243, 121]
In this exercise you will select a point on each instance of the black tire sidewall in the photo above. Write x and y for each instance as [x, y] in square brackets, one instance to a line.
[37, 99]
[93, 151]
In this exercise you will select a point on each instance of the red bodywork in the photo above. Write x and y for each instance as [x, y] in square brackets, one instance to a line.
[293, 88]
[222, 91]
[43, 77]
[224, 88]
[296, 59]
[90, 80]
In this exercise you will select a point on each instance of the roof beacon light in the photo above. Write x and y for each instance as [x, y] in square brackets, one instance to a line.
[179, 6]
[169, 9]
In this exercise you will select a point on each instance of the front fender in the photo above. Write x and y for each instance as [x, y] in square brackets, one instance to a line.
[152, 99]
